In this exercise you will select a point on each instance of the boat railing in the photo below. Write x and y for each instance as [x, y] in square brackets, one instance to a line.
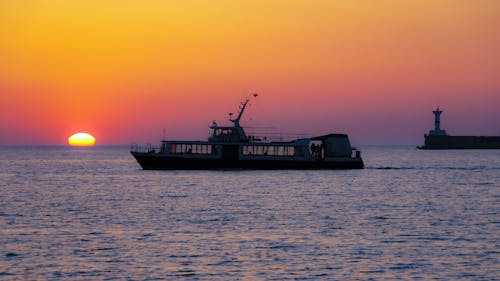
[144, 148]
[274, 138]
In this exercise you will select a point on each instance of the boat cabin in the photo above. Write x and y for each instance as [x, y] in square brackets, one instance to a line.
[335, 145]
[227, 134]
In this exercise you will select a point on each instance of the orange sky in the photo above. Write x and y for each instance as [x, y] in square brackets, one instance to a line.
[125, 70]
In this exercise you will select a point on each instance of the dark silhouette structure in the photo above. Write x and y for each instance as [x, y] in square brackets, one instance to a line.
[438, 139]
[228, 147]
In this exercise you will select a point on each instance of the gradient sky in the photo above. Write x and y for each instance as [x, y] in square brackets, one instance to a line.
[125, 70]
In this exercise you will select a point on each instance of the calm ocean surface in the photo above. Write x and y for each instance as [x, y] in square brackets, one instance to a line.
[93, 214]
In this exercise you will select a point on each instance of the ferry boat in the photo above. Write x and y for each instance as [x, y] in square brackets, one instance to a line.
[229, 147]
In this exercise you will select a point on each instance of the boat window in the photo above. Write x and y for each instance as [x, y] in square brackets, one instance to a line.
[281, 150]
[271, 150]
[184, 148]
[224, 132]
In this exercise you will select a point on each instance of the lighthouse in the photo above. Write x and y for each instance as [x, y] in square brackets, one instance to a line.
[437, 124]
[438, 139]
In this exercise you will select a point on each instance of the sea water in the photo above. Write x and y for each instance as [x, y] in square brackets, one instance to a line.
[93, 214]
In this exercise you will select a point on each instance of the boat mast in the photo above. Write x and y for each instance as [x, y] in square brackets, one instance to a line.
[236, 121]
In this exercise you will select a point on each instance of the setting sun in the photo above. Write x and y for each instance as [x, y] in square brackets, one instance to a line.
[81, 139]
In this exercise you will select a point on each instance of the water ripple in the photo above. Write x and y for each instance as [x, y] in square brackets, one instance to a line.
[86, 214]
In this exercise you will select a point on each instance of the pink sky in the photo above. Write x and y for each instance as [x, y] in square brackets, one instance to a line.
[125, 70]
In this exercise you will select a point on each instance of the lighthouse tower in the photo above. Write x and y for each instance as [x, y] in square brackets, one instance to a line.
[437, 124]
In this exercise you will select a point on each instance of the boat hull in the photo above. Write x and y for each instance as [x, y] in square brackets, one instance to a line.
[156, 161]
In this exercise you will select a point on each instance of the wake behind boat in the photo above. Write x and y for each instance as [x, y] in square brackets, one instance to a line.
[229, 147]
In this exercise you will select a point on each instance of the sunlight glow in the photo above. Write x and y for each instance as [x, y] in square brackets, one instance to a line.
[81, 139]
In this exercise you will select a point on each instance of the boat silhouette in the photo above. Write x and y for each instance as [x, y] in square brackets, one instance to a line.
[229, 147]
